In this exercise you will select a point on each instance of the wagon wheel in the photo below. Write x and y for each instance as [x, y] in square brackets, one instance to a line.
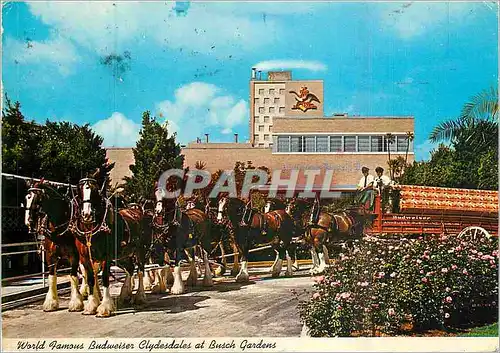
[474, 232]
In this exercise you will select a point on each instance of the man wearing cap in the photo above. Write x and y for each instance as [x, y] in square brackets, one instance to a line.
[365, 188]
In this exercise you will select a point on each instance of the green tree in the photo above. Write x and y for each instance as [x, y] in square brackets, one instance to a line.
[156, 151]
[70, 152]
[20, 142]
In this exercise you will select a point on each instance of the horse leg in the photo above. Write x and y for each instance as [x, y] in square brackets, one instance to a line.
[280, 256]
[178, 286]
[236, 262]
[125, 297]
[76, 301]
[193, 274]
[207, 278]
[168, 275]
[273, 267]
[289, 266]
[326, 255]
[221, 269]
[315, 260]
[97, 289]
[51, 302]
[84, 288]
[107, 307]
[93, 300]
[140, 296]
[243, 275]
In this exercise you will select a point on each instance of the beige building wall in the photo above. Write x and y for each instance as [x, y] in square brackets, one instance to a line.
[123, 158]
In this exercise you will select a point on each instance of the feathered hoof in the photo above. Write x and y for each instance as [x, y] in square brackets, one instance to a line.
[208, 282]
[177, 289]
[50, 305]
[139, 299]
[106, 309]
[242, 277]
[191, 281]
[91, 306]
[155, 289]
[76, 304]
[288, 274]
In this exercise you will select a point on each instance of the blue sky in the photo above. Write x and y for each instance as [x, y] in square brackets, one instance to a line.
[106, 63]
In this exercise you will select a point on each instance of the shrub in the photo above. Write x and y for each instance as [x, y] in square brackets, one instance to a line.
[382, 286]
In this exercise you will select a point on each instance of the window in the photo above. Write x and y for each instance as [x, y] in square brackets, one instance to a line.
[391, 146]
[256, 100]
[276, 100]
[256, 119]
[266, 100]
[271, 145]
[261, 145]
[377, 145]
[271, 91]
[283, 144]
[310, 143]
[261, 91]
[266, 137]
[363, 143]
[335, 143]
[256, 137]
[401, 143]
[321, 143]
[261, 128]
[271, 109]
[349, 143]
[282, 109]
[266, 119]
[296, 144]
[282, 91]
[261, 109]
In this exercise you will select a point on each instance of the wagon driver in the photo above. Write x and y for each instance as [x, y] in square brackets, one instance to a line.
[365, 188]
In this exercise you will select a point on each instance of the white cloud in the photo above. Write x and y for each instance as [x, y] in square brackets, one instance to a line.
[290, 64]
[57, 52]
[199, 106]
[117, 131]
[413, 19]
[101, 26]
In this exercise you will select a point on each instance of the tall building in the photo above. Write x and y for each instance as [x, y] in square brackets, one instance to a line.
[280, 96]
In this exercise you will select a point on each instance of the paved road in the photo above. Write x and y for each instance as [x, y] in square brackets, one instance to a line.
[263, 307]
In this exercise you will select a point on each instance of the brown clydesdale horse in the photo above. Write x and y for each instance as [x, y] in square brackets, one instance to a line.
[179, 231]
[274, 228]
[47, 214]
[105, 235]
[321, 229]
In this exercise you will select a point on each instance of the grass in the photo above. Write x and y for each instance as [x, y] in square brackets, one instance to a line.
[483, 331]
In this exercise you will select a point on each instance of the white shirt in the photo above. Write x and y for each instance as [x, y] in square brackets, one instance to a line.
[382, 181]
[362, 184]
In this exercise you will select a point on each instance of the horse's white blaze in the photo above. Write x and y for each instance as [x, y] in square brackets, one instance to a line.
[51, 302]
[158, 207]
[267, 208]
[243, 275]
[29, 201]
[126, 290]
[140, 296]
[190, 205]
[87, 211]
[207, 279]
[222, 204]
[288, 209]
[107, 307]
[76, 301]
[178, 286]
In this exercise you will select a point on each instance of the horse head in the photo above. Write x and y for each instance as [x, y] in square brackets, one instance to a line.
[34, 198]
[91, 197]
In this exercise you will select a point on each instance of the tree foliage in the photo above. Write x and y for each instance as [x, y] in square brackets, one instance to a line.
[156, 151]
[471, 160]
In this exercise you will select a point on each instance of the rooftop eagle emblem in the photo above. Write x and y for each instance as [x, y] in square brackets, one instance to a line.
[305, 100]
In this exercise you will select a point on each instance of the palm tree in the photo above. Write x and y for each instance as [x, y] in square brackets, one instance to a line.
[389, 140]
[477, 123]
[410, 136]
